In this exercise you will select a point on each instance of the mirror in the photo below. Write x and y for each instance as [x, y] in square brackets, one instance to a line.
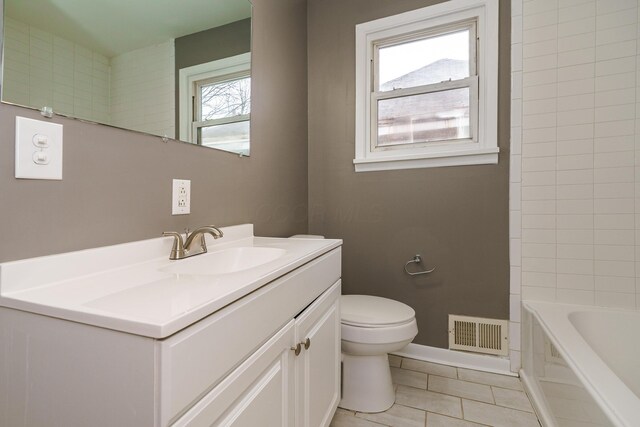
[176, 69]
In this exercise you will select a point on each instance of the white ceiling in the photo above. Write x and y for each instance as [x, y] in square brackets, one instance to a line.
[112, 27]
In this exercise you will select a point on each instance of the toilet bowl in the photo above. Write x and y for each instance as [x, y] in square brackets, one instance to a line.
[371, 328]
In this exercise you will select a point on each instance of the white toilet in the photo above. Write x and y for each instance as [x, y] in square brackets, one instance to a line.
[371, 328]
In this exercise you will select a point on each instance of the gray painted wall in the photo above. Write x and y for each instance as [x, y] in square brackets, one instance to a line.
[456, 217]
[209, 45]
[117, 184]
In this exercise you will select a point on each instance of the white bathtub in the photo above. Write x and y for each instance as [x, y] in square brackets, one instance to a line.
[581, 365]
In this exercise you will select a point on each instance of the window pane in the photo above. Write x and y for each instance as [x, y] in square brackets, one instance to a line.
[226, 99]
[425, 61]
[434, 116]
[232, 137]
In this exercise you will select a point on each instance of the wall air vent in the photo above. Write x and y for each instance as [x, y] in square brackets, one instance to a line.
[479, 335]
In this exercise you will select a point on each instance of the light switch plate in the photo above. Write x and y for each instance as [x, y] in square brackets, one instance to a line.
[38, 149]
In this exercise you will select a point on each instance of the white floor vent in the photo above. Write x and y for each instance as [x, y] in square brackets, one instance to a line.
[479, 335]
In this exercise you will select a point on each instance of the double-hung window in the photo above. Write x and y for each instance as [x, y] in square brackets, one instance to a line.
[215, 104]
[426, 87]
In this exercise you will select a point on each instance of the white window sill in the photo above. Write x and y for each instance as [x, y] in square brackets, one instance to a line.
[434, 160]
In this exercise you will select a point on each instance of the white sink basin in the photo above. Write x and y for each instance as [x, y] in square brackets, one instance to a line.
[225, 261]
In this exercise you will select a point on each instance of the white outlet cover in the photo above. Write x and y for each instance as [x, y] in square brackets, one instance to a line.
[181, 197]
[38, 149]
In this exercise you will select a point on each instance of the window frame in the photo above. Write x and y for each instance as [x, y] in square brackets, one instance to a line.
[443, 18]
[220, 69]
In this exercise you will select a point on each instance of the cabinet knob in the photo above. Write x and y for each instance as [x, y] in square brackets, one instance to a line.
[307, 344]
[297, 349]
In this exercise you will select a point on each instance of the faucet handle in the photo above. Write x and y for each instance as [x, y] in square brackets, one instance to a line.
[177, 251]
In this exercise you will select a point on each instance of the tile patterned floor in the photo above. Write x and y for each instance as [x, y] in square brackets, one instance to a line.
[432, 395]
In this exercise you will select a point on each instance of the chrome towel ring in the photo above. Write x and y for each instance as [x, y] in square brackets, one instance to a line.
[417, 259]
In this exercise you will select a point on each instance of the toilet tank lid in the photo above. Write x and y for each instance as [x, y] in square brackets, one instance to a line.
[367, 310]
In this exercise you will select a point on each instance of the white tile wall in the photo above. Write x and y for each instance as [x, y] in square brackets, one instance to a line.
[42, 69]
[575, 154]
[142, 89]
[133, 90]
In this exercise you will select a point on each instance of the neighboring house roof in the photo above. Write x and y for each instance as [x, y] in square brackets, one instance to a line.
[436, 72]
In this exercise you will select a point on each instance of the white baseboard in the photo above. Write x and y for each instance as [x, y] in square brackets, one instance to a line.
[459, 359]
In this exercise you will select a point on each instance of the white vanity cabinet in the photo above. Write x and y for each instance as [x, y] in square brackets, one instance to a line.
[234, 367]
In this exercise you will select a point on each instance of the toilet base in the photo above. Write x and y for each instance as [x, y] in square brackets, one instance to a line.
[366, 383]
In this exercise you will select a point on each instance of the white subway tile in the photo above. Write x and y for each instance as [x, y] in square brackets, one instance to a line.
[516, 57]
[576, 42]
[539, 34]
[515, 169]
[616, 34]
[539, 207]
[615, 284]
[538, 6]
[575, 207]
[614, 175]
[575, 266]
[516, 140]
[615, 253]
[576, 87]
[538, 164]
[614, 191]
[539, 106]
[575, 251]
[616, 50]
[535, 121]
[577, 72]
[538, 20]
[575, 117]
[545, 62]
[615, 113]
[616, 66]
[615, 299]
[538, 178]
[580, 26]
[572, 296]
[574, 221]
[575, 57]
[575, 237]
[575, 102]
[613, 237]
[578, 161]
[575, 281]
[538, 293]
[514, 335]
[516, 7]
[574, 147]
[566, 133]
[538, 135]
[539, 92]
[539, 221]
[546, 280]
[516, 112]
[515, 224]
[614, 206]
[572, 192]
[515, 252]
[515, 280]
[571, 177]
[515, 197]
[539, 250]
[539, 193]
[615, 81]
[533, 236]
[615, 97]
[539, 149]
[614, 222]
[541, 265]
[541, 48]
[607, 6]
[581, 11]
[516, 85]
[613, 160]
[615, 19]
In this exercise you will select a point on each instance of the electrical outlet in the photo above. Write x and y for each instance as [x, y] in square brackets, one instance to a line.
[181, 198]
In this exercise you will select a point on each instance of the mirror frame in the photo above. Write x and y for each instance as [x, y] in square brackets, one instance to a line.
[164, 138]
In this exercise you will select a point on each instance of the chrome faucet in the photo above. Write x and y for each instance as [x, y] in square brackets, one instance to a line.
[194, 244]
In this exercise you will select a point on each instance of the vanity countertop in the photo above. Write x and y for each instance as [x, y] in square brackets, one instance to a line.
[134, 288]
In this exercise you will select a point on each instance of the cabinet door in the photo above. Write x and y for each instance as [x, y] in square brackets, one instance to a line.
[259, 392]
[318, 366]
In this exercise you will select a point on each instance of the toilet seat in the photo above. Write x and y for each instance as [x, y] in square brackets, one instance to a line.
[388, 335]
[368, 311]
